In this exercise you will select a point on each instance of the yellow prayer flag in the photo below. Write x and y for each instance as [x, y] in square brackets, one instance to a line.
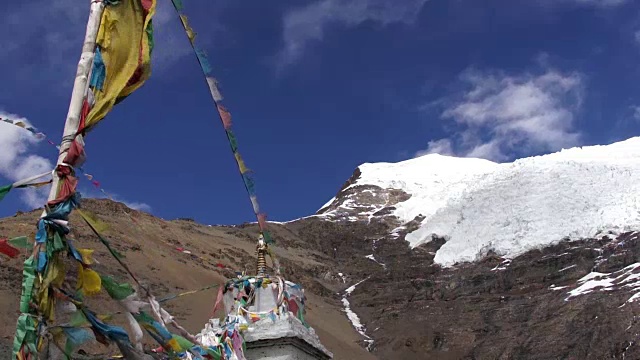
[190, 33]
[87, 256]
[125, 39]
[241, 164]
[93, 220]
[88, 281]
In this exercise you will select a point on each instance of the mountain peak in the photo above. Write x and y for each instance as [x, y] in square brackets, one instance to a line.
[508, 208]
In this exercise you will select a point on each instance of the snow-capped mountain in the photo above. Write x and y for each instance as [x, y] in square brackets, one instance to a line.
[481, 206]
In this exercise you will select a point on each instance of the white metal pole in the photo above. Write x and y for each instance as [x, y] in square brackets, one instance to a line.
[79, 88]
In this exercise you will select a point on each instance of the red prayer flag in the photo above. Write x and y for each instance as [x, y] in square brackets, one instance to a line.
[219, 298]
[293, 306]
[262, 221]
[225, 116]
[7, 249]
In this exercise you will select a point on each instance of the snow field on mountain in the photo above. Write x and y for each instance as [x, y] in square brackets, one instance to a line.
[431, 180]
[514, 207]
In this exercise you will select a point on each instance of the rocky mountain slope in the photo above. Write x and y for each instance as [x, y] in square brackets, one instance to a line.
[432, 258]
[180, 255]
[534, 259]
[509, 208]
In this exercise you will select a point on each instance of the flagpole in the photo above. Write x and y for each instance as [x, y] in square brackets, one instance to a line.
[72, 122]
[79, 89]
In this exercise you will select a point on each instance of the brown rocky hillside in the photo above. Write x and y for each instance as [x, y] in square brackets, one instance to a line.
[149, 245]
[410, 307]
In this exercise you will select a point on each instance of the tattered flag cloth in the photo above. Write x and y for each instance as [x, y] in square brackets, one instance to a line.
[7, 249]
[28, 182]
[11, 247]
[123, 57]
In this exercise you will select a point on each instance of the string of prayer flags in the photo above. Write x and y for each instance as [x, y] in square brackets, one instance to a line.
[93, 220]
[225, 118]
[185, 23]
[241, 164]
[177, 4]
[174, 296]
[202, 59]
[262, 220]
[213, 88]
[25, 183]
[19, 123]
[5, 189]
[116, 291]
[118, 70]
[254, 203]
[38, 135]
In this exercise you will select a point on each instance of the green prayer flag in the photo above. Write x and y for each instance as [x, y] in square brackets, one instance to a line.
[178, 4]
[78, 319]
[58, 243]
[21, 242]
[25, 334]
[149, 32]
[68, 348]
[267, 237]
[216, 354]
[4, 190]
[28, 277]
[233, 141]
[115, 290]
[184, 343]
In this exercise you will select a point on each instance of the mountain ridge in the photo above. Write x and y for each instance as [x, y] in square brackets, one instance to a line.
[461, 198]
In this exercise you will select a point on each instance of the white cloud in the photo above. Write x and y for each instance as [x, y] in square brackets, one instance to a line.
[89, 191]
[16, 161]
[442, 147]
[138, 206]
[308, 23]
[635, 109]
[499, 115]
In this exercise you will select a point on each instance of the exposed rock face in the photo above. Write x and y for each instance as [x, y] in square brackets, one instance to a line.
[364, 202]
[569, 298]
[527, 307]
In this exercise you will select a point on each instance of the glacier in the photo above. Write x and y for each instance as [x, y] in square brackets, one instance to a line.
[510, 208]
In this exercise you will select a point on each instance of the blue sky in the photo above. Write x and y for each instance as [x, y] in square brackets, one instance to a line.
[317, 88]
